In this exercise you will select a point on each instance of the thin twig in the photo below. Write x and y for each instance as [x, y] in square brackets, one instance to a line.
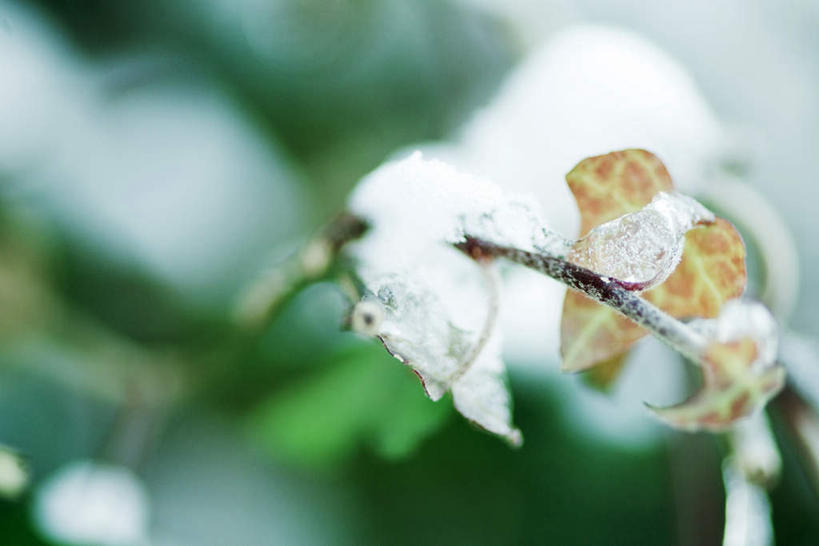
[264, 297]
[605, 290]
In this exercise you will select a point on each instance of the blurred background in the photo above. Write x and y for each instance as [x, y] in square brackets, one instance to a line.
[157, 157]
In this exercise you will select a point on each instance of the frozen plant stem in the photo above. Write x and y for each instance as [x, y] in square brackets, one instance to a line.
[605, 290]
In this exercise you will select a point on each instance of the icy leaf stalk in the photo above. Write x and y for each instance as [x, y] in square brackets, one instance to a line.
[609, 291]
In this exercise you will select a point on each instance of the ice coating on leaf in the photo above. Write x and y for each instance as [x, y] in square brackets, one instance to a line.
[482, 395]
[643, 247]
[438, 306]
[414, 327]
[740, 374]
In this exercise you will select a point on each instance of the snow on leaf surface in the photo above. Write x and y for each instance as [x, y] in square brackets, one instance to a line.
[435, 308]
[415, 203]
[740, 374]
[710, 272]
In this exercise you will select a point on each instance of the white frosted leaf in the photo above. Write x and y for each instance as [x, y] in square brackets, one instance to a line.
[433, 307]
[414, 326]
[644, 247]
[482, 396]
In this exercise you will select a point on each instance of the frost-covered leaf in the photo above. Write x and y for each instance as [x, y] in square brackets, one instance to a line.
[415, 203]
[433, 307]
[739, 370]
[591, 333]
[710, 272]
[482, 395]
[730, 389]
[415, 328]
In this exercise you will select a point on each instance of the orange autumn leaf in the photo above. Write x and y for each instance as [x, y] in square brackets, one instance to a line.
[732, 388]
[712, 269]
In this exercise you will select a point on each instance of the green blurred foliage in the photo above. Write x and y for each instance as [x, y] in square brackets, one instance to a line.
[361, 395]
